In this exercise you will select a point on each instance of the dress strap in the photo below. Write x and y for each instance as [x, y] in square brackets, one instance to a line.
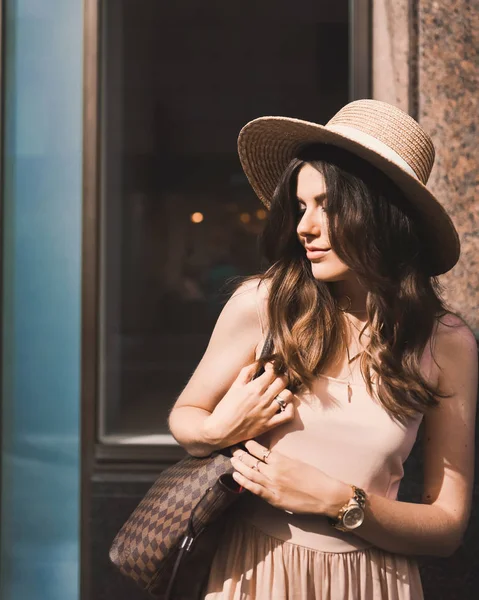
[259, 303]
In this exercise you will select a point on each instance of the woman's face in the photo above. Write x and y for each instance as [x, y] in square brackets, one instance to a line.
[313, 227]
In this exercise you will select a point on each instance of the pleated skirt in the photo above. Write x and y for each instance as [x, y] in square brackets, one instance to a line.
[251, 565]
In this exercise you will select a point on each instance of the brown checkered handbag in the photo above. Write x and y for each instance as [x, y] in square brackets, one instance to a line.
[168, 543]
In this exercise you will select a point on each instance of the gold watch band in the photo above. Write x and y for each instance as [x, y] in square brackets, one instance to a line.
[359, 498]
[359, 495]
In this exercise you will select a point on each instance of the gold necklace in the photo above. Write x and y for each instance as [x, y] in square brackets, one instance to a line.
[350, 360]
[346, 308]
[361, 331]
[347, 380]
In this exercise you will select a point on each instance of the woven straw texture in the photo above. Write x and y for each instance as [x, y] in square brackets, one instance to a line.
[394, 128]
[378, 132]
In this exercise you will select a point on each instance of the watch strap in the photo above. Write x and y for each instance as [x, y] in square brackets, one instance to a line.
[358, 498]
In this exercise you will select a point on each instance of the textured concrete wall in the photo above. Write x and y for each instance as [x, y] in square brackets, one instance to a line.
[448, 94]
[426, 61]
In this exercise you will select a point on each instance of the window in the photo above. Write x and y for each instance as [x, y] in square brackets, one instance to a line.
[178, 219]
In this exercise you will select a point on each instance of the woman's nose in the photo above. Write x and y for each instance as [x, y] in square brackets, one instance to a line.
[310, 224]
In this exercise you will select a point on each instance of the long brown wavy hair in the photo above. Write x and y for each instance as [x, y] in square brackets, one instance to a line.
[377, 233]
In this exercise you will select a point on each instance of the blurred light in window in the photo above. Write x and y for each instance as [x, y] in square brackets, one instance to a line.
[245, 217]
[197, 217]
[261, 214]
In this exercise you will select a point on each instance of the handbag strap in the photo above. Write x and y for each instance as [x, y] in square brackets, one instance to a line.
[268, 345]
[267, 349]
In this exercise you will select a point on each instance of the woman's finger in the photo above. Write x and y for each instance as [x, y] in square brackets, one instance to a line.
[246, 374]
[263, 382]
[256, 449]
[251, 461]
[284, 416]
[284, 395]
[250, 471]
[278, 386]
[254, 488]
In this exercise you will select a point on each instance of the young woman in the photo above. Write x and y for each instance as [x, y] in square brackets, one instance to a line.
[364, 351]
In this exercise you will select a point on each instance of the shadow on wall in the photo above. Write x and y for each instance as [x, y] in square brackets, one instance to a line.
[455, 577]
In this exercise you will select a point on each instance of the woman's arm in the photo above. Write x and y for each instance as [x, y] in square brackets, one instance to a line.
[435, 527]
[231, 347]
[221, 405]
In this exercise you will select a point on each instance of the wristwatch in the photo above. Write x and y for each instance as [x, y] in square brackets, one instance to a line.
[351, 515]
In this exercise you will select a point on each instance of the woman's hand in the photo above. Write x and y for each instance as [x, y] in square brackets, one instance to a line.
[249, 407]
[287, 483]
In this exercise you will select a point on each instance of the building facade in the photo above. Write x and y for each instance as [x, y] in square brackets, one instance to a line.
[125, 211]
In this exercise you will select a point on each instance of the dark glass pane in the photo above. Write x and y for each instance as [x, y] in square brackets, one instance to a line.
[179, 219]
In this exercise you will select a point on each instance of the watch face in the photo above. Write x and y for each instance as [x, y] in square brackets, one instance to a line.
[353, 517]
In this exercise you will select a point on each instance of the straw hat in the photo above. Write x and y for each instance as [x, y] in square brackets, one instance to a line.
[380, 133]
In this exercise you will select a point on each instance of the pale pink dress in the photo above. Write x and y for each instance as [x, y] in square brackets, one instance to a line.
[268, 554]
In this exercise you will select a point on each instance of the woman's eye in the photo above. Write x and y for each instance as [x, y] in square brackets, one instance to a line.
[302, 209]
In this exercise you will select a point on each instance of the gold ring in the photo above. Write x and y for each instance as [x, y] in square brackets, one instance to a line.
[257, 465]
[266, 454]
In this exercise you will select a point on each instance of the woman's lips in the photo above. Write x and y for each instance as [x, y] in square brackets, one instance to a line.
[315, 254]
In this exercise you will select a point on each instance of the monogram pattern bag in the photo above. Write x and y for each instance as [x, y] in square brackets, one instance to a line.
[168, 543]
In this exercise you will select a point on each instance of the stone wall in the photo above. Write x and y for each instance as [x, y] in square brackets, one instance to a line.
[448, 103]
[426, 61]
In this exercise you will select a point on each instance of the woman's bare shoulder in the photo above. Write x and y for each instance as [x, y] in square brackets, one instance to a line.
[251, 298]
[455, 345]
[453, 332]
[232, 346]
[252, 290]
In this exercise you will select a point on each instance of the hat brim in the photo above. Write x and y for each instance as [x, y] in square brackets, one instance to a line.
[268, 144]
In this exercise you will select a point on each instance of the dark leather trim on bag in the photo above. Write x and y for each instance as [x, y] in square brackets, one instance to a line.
[168, 543]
